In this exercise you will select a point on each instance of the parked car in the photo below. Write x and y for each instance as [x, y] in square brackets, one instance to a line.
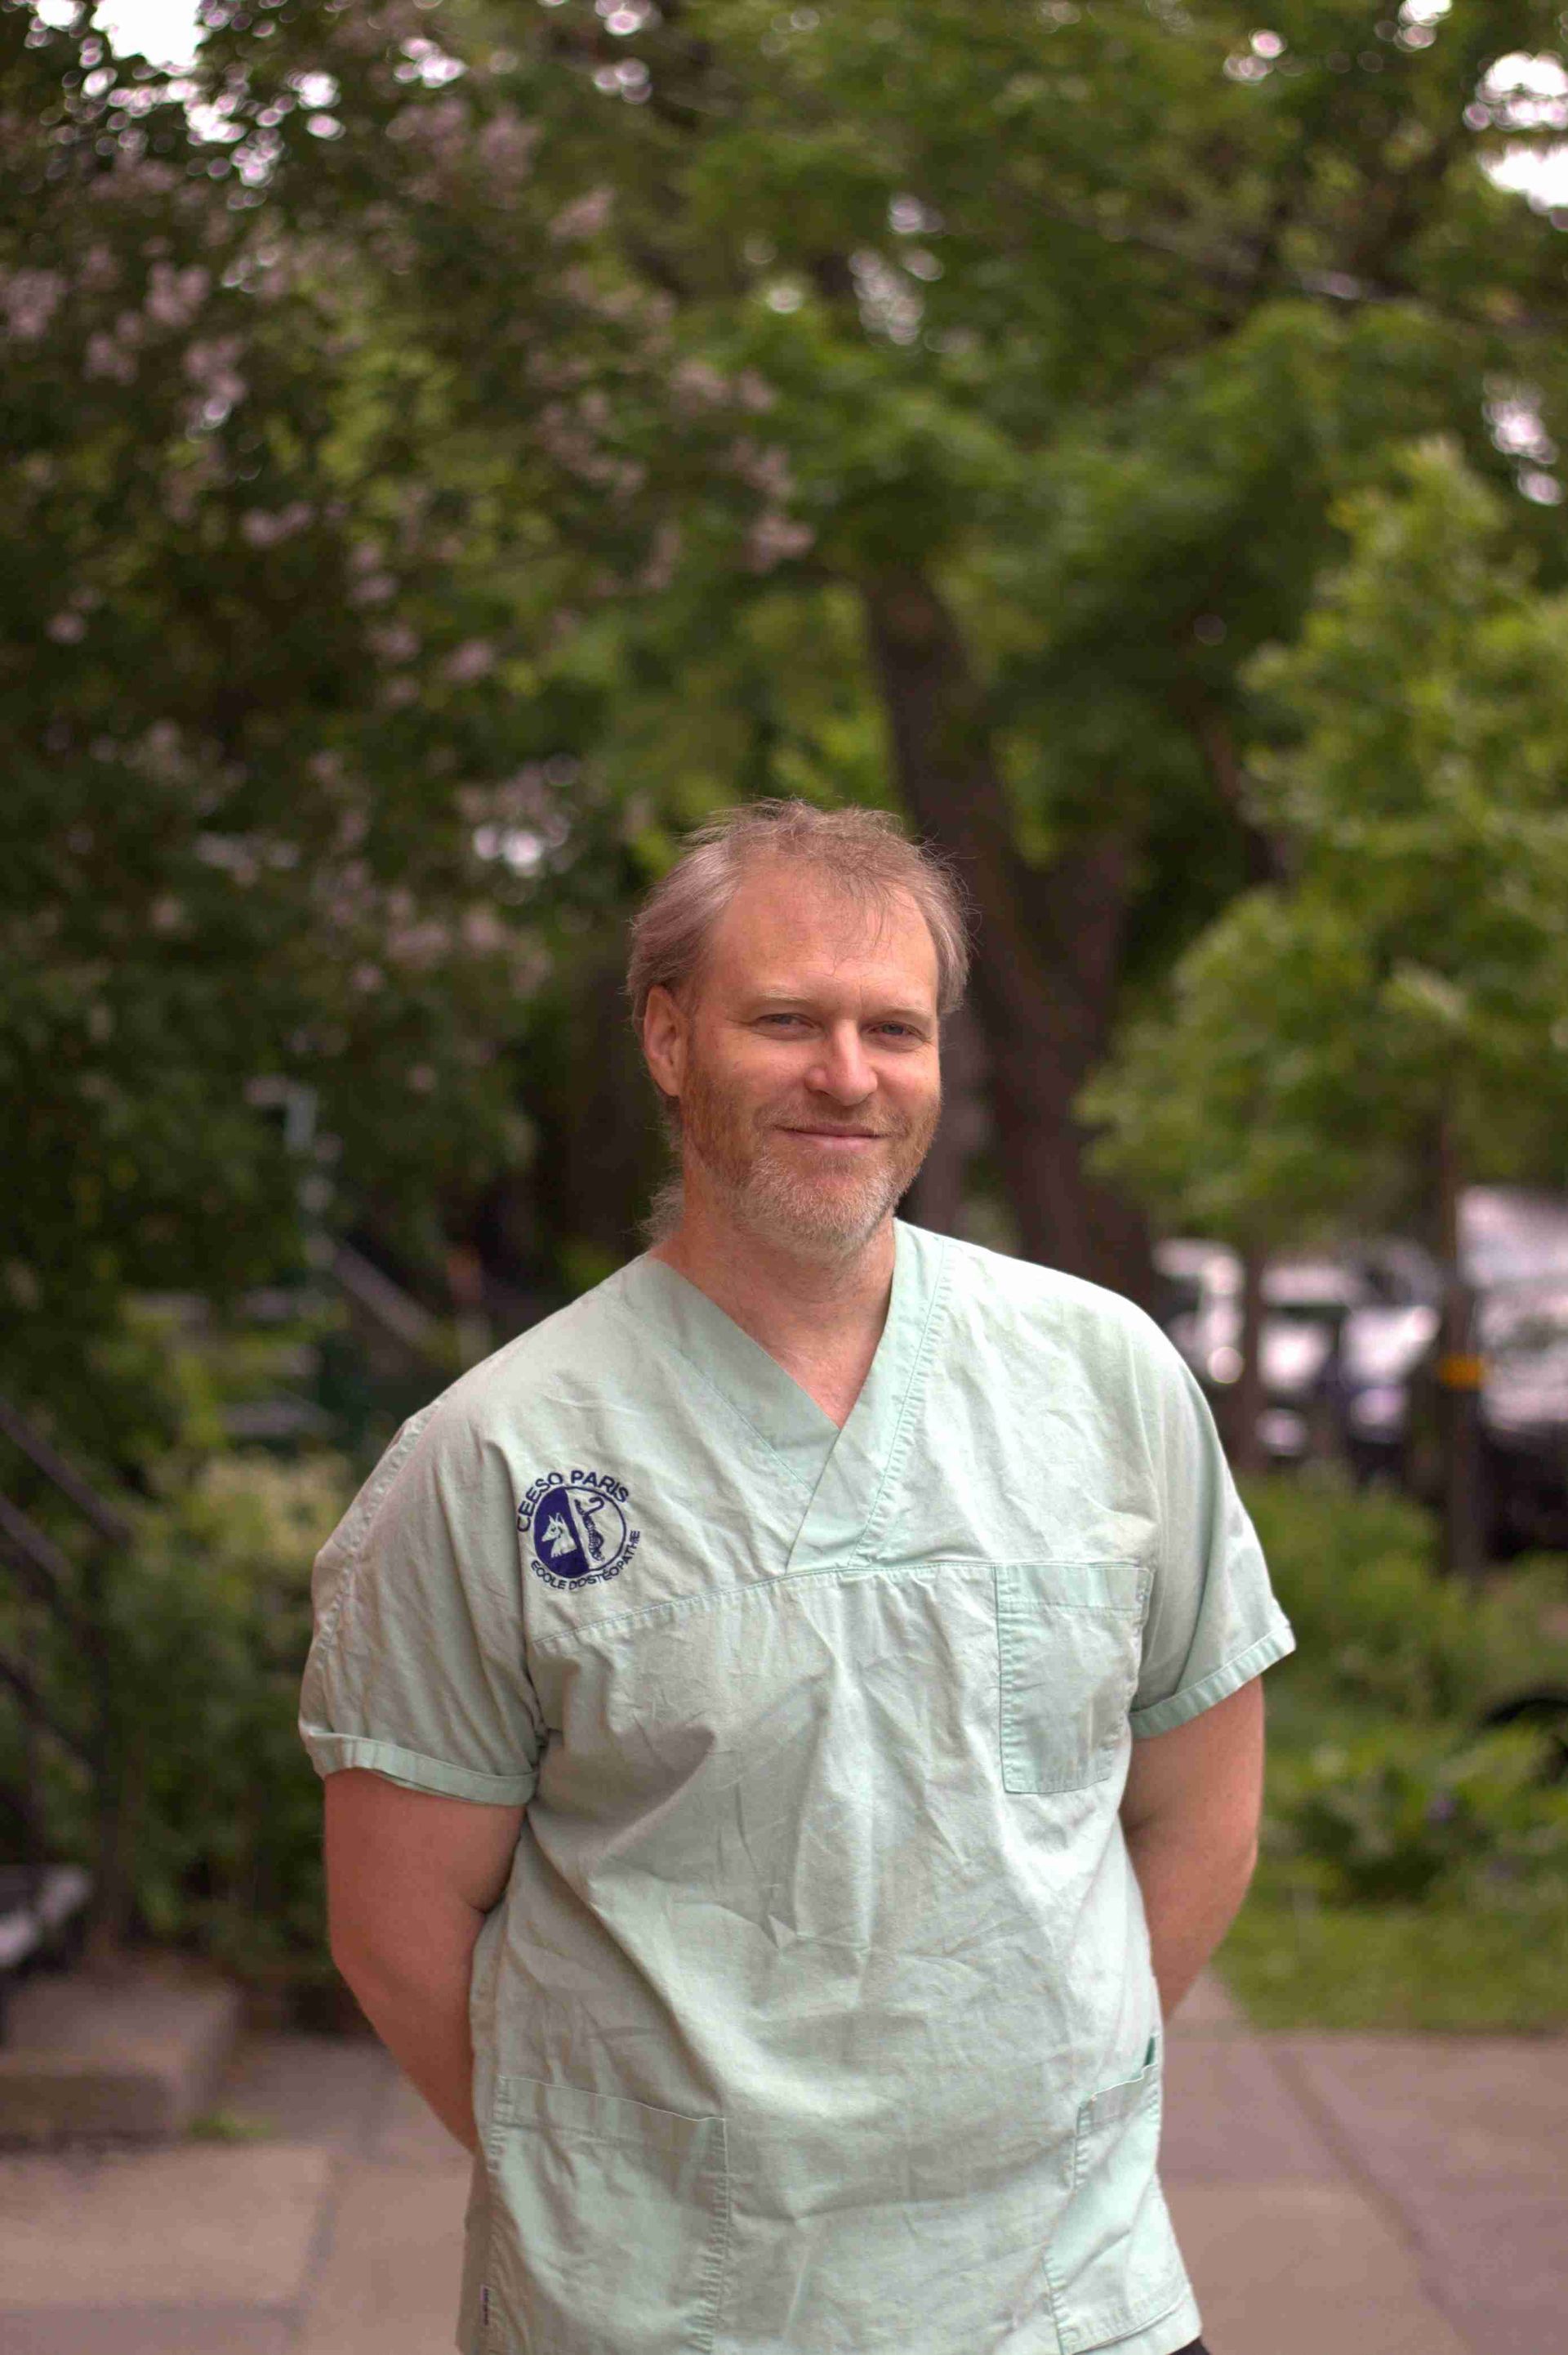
[1305, 1304]
[1350, 1342]
[1198, 1282]
[1512, 1234]
[1382, 1346]
[1514, 1254]
[1522, 1340]
[1383, 1340]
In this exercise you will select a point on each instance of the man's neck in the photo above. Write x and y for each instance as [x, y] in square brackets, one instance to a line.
[819, 1316]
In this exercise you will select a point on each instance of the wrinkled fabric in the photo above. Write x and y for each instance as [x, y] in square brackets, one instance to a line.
[818, 2012]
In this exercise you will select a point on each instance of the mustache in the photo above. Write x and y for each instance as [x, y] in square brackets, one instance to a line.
[843, 1128]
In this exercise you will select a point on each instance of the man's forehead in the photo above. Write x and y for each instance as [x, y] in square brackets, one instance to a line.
[789, 928]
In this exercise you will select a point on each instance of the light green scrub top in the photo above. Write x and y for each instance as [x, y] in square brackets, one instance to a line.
[817, 2014]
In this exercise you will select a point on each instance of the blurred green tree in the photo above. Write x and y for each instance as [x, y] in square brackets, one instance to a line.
[1389, 1025]
[1047, 337]
[456, 447]
[264, 759]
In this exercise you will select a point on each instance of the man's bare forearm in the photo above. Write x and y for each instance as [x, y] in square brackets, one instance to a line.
[417, 2004]
[1190, 1815]
[411, 1876]
[1191, 1894]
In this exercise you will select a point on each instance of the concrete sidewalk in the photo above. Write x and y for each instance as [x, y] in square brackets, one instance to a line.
[1382, 2195]
[1386, 2195]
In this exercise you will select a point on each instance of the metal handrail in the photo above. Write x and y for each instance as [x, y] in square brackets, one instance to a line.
[43, 1567]
[72, 1597]
[42, 1711]
[99, 1517]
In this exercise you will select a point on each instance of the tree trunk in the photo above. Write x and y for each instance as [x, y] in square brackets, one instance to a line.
[598, 1157]
[1248, 1399]
[1268, 855]
[1464, 1551]
[1048, 943]
[936, 1200]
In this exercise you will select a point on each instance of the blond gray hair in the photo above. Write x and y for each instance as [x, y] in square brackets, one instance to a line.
[864, 852]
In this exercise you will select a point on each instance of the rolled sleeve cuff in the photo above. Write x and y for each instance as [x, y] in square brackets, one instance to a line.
[1164, 1716]
[331, 1751]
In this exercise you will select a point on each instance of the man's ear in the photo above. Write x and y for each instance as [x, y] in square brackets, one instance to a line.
[664, 1041]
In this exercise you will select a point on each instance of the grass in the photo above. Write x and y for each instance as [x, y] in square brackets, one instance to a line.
[1293, 1962]
[1392, 1655]
[227, 2126]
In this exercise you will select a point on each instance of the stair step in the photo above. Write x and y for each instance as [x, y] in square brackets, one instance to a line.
[133, 2050]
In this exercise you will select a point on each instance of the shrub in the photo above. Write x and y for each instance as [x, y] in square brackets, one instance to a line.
[211, 1627]
[1375, 1626]
[1404, 1814]
[1414, 1871]
[209, 1622]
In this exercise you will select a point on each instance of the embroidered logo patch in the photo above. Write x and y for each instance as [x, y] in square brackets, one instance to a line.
[576, 1528]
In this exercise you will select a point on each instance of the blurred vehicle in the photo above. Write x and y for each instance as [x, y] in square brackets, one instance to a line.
[1384, 1341]
[1510, 1234]
[1513, 1246]
[1195, 1278]
[1521, 1339]
[1522, 1335]
[1380, 1350]
[1307, 1302]
[1348, 1350]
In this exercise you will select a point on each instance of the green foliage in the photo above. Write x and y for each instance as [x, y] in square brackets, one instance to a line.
[256, 722]
[227, 2126]
[460, 450]
[1413, 971]
[1427, 706]
[209, 1622]
[1248, 1105]
[1377, 1628]
[1414, 1868]
[1399, 1969]
[1404, 1814]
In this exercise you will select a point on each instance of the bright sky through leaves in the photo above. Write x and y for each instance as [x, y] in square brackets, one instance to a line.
[162, 31]
[165, 32]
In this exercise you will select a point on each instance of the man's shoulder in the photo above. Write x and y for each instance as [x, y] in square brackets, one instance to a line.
[573, 1350]
[1026, 1301]
[1029, 1287]
[456, 1458]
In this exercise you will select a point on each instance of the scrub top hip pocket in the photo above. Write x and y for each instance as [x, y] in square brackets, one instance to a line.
[610, 2225]
[1113, 2263]
[1069, 1646]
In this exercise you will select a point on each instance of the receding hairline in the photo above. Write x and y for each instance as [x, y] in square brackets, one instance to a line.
[868, 907]
[863, 855]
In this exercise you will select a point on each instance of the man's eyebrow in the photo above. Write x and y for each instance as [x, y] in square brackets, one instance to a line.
[787, 999]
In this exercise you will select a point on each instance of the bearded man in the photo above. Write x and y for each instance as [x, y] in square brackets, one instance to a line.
[792, 1719]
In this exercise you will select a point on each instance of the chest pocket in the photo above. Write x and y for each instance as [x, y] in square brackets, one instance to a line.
[1069, 1646]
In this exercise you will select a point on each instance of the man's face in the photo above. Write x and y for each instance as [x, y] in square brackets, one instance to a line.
[807, 1071]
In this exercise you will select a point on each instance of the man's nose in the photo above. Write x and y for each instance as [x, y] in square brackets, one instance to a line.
[843, 1069]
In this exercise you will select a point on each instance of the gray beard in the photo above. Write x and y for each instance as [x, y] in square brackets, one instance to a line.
[782, 1208]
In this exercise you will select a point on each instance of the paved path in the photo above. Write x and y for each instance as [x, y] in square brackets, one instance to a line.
[1378, 2195]
[1382, 2195]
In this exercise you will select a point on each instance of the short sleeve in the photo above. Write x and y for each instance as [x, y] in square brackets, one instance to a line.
[1213, 1623]
[416, 1668]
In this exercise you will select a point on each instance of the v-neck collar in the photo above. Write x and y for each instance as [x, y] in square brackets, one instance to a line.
[841, 1473]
